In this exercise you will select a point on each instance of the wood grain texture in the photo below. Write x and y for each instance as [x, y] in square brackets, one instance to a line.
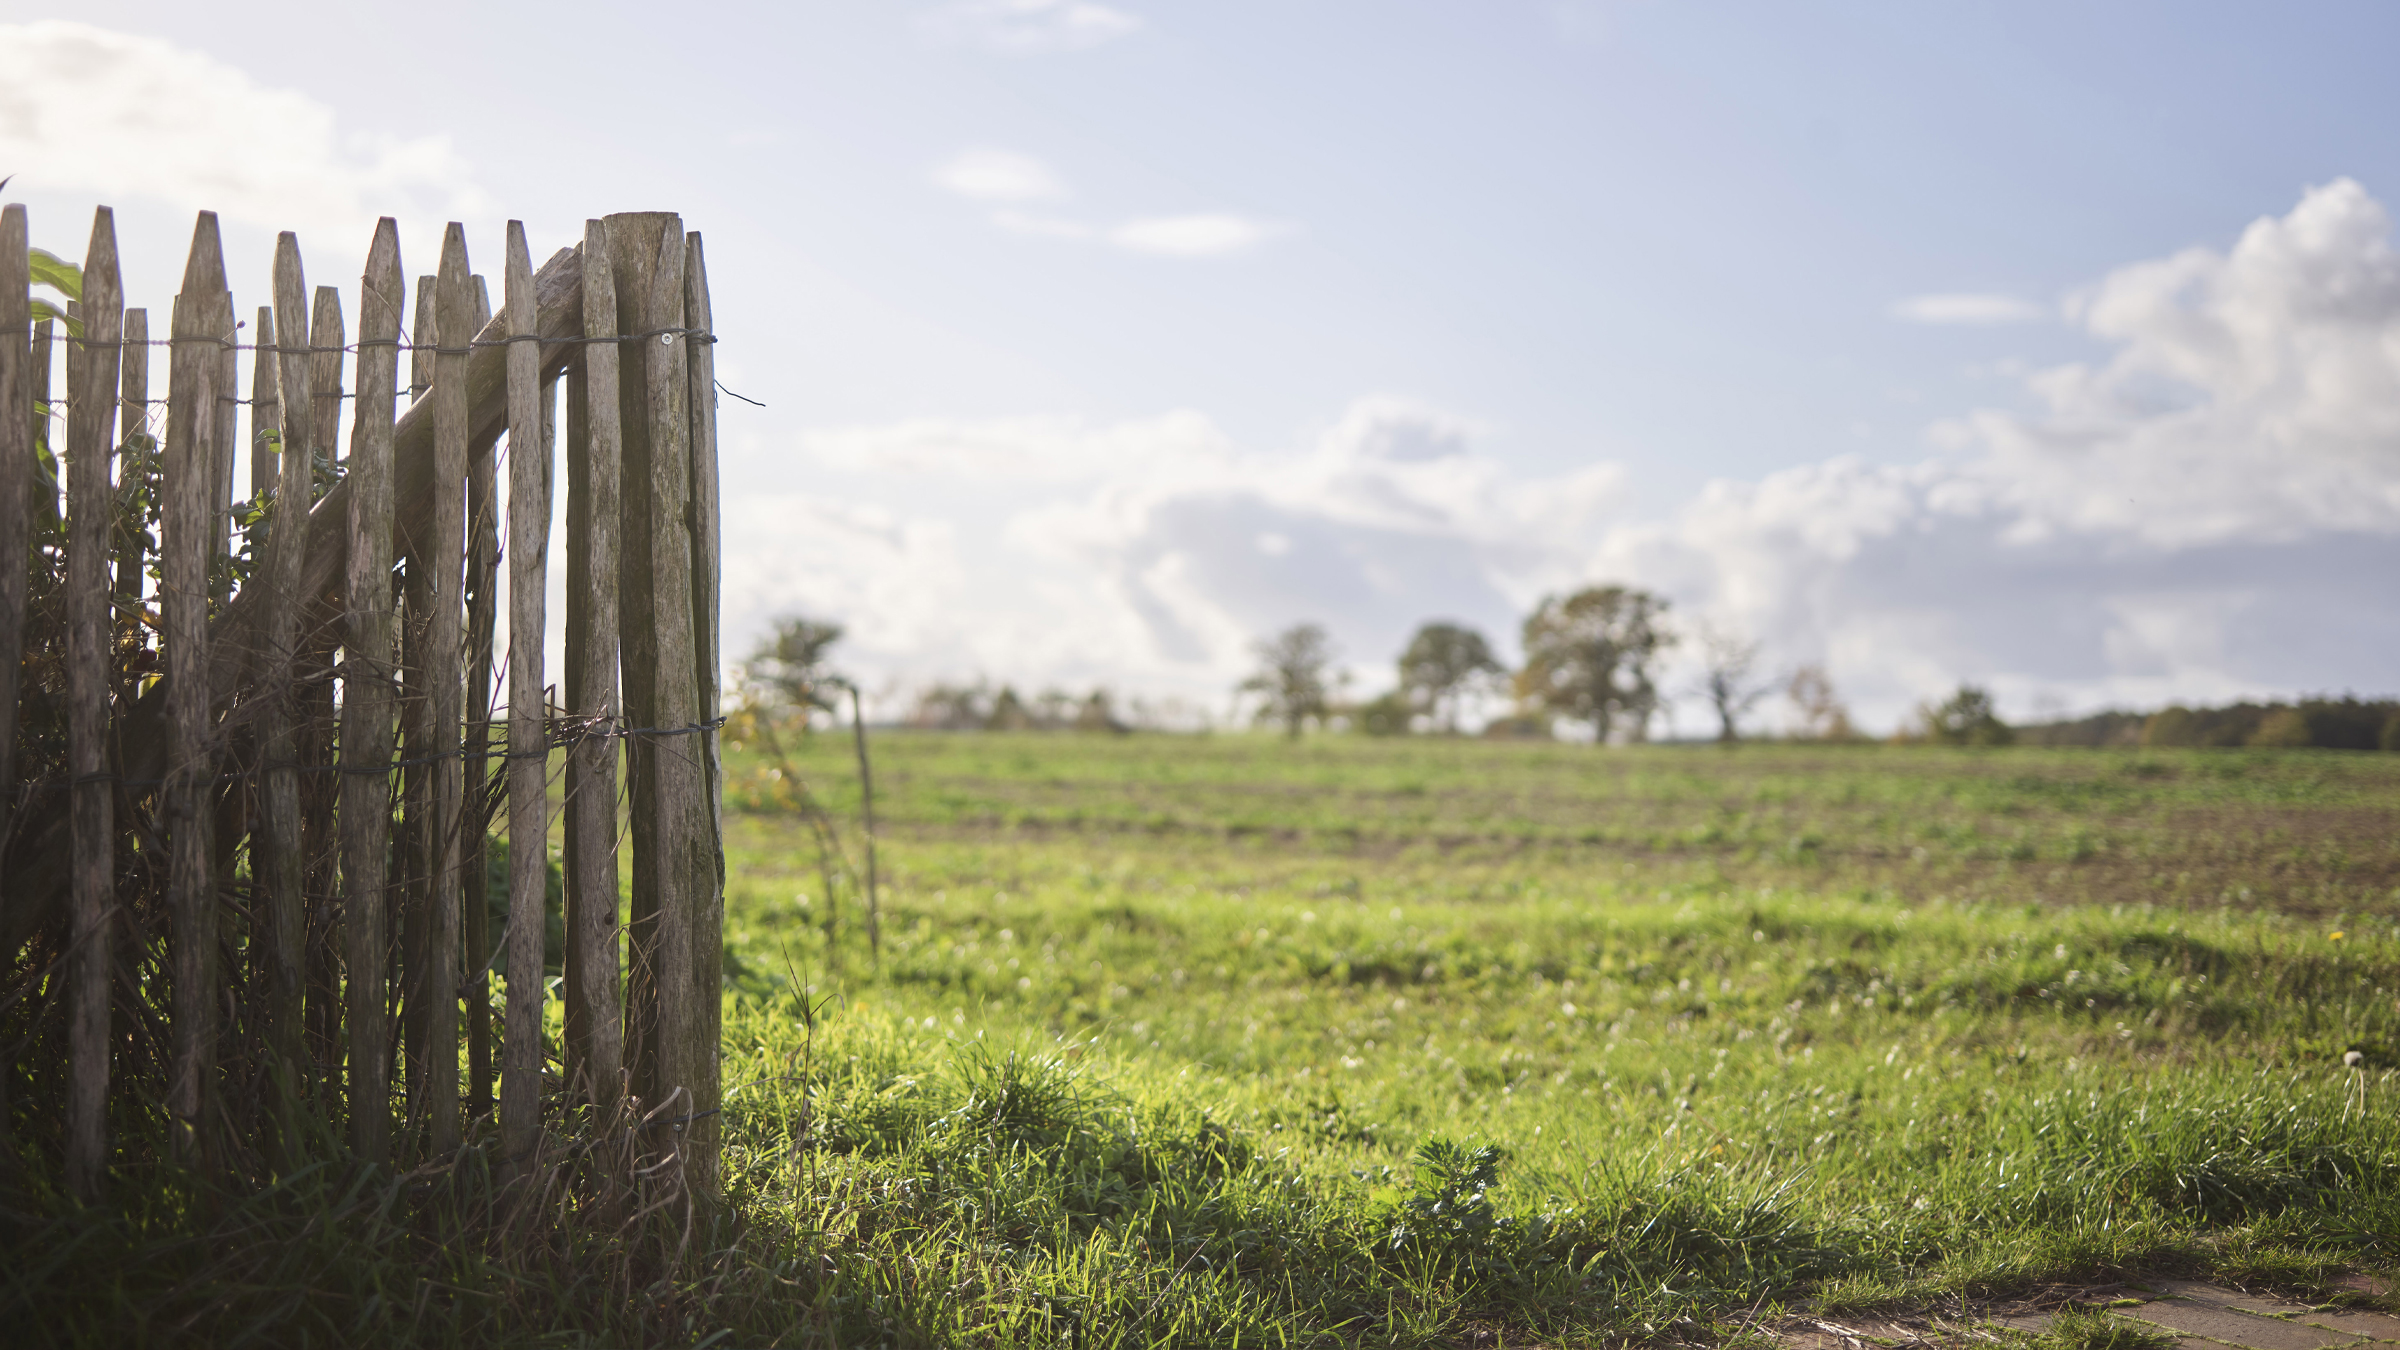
[188, 540]
[445, 548]
[319, 791]
[633, 255]
[16, 478]
[707, 535]
[279, 851]
[528, 804]
[228, 413]
[483, 551]
[16, 486]
[370, 691]
[677, 913]
[91, 502]
[596, 1037]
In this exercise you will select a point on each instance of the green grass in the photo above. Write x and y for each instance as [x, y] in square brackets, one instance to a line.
[1214, 1041]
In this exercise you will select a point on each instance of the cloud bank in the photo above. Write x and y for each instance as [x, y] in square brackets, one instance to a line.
[2212, 511]
[124, 117]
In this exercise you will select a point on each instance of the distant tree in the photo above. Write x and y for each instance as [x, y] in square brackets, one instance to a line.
[1009, 713]
[1390, 713]
[1444, 663]
[1098, 712]
[1965, 718]
[1822, 715]
[1727, 666]
[1293, 680]
[1588, 657]
[952, 707]
[787, 671]
[2284, 727]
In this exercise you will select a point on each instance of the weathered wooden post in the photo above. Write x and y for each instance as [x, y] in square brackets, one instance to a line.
[369, 692]
[595, 1027]
[437, 1057]
[319, 791]
[281, 925]
[675, 958]
[16, 475]
[16, 486]
[91, 502]
[190, 533]
[528, 807]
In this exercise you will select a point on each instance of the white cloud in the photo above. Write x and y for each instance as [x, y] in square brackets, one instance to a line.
[1028, 27]
[1195, 236]
[124, 117]
[2205, 514]
[1149, 553]
[1009, 178]
[998, 176]
[1968, 308]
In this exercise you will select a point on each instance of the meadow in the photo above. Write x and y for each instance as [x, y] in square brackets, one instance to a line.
[1204, 1040]
[1225, 1040]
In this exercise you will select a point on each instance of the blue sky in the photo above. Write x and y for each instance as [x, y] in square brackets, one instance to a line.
[1099, 336]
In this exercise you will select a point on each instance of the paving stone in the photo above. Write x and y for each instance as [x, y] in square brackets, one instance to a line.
[2217, 1295]
[2236, 1328]
[2374, 1326]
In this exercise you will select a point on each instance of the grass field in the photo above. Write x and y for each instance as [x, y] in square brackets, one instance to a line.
[1174, 1039]
[1224, 1040]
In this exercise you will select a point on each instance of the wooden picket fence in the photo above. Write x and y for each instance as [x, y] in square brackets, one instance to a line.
[257, 755]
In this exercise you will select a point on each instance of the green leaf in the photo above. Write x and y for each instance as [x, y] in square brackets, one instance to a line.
[55, 272]
[43, 309]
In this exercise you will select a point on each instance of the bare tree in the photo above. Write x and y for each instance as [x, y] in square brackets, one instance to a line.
[1728, 679]
[1822, 716]
[1588, 657]
[1293, 680]
[1444, 663]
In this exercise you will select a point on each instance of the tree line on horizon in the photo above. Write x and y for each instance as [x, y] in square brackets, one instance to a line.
[1591, 659]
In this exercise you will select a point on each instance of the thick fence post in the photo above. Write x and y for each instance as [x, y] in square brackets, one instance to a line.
[595, 1027]
[368, 693]
[188, 541]
[676, 962]
[91, 503]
